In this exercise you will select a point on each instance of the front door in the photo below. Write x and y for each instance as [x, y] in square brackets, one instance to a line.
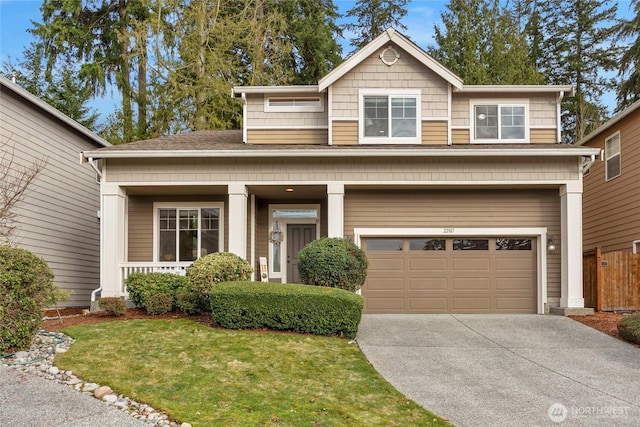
[298, 235]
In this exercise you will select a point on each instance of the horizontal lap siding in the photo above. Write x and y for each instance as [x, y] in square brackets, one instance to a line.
[460, 136]
[58, 219]
[140, 222]
[611, 210]
[287, 136]
[434, 132]
[345, 133]
[461, 208]
[543, 136]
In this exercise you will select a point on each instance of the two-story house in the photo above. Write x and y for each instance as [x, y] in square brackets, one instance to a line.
[460, 195]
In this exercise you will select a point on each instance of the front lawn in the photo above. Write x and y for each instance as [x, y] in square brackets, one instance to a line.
[207, 376]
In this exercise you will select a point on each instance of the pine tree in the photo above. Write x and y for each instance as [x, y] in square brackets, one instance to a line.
[373, 17]
[629, 90]
[481, 42]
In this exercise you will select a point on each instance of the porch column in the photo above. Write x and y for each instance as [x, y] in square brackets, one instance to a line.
[238, 219]
[112, 239]
[335, 200]
[571, 294]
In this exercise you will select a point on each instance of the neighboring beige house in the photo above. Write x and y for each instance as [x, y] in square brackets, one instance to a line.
[611, 205]
[58, 220]
[460, 195]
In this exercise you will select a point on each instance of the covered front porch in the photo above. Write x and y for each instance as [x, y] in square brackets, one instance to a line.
[164, 228]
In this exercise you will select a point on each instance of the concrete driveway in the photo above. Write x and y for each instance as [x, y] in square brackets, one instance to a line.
[507, 370]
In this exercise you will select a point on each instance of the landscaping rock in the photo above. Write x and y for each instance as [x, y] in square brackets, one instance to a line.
[110, 398]
[101, 392]
[53, 370]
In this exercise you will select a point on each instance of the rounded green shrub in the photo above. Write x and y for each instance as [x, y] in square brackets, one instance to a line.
[113, 305]
[26, 288]
[159, 303]
[212, 269]
[141, 286]
[333, 262]
[629, 328]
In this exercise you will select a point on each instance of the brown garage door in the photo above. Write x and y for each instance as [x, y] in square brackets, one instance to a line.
[454, 275]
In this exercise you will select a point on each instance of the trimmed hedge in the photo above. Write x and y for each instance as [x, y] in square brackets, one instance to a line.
[300, 308]
[26, 288]
[333, 262]
[113, 305]
[629, 328]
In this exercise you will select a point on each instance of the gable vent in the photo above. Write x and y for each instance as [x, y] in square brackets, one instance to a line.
[389, 56]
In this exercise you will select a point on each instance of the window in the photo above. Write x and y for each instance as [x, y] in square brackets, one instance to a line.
[470, 244]
[184, 234]
[293, 104]
[384, 245]
[390, 117]
[499, 123]
[612, 156]
[427, 244]
[513, 244]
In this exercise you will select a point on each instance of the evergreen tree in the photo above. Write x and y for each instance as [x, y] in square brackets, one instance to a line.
[373, 17]
[575, 44]
[629, 90]
[481, 42]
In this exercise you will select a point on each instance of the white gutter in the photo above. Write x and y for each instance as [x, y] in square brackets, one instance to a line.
[517, 89]
[94, 166]
[244, 117]
[586, 168]
[382, 152]
[238, 90]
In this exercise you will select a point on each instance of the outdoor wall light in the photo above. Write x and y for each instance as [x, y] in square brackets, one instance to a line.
[289, 190]
[551, 245]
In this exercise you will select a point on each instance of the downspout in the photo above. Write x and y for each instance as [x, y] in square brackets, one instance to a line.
[559, 117]
[244, 117]
[99, 289]
[587, 167]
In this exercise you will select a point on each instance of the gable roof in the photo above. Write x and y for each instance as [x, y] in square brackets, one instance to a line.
[627, 111]
[6, 84]
[390, 35]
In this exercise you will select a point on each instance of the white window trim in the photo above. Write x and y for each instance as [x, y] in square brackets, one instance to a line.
[282, 274]
[540, 233]
[185, 205]
[268, 108]
[406, 93]
[607, 157]
[499, 103]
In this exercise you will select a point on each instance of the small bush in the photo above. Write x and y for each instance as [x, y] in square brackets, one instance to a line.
[333, 262]
[300, 308]
[215, 268]
[188, 302]
[26, 287]
[159, 303]
[112, 305]
[629, 328]
[143, 285]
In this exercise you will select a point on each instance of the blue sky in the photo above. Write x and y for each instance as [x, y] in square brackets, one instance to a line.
[16, 17]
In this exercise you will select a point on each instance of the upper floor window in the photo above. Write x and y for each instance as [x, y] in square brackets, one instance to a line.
[293, 104]
[612, 156]
[390, 117]
[499, 122]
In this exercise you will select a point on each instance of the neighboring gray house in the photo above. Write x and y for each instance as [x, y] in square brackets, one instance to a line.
[59, 219]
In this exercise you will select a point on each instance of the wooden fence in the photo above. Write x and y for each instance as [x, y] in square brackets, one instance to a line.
[611, 280]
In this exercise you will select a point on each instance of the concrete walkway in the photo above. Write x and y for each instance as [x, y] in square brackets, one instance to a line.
[507, 370]
[27, 400]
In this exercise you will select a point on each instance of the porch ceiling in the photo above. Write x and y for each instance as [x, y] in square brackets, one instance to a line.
[280, 192]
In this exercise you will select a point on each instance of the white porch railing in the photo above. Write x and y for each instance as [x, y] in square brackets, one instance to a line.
[128, 268]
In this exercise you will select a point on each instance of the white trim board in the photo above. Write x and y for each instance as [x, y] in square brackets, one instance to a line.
[540, 233]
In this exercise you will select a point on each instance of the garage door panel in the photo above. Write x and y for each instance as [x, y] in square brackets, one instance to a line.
[432, 304]
[387, 264]
[515, 264]
[385, 284]
[385, 304]
[428, 264]
[470, 304]
[427, 283]
[463, 263]
[514, 283]
[471, 284]
[514, 304]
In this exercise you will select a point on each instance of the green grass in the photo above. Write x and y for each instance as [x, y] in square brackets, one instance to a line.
[206, 376]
